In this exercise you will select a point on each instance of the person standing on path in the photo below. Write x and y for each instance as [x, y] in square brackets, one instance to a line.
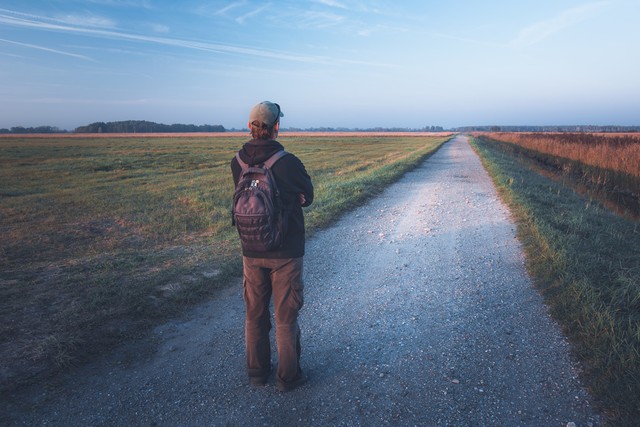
[277, 271]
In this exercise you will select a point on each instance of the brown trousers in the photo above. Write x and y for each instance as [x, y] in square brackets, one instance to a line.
[282, 278]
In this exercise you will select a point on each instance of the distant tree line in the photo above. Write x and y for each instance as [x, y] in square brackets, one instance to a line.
[571, 128]
[38, 129]
[143, 126]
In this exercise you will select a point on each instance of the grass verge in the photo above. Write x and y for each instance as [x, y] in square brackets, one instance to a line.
[102, 237]
[586, 262]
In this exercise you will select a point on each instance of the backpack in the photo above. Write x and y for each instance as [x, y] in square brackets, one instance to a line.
[257, 210]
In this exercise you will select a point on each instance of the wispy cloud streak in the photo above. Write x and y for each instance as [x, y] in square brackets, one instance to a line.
[145, 4]
[319, 20]
[542, 30]
[331, 3]
[47, 24]
[230, 6]
[87, 21]
[46, 49]
[241, 19]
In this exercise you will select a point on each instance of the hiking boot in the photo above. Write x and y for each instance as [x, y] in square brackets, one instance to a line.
[259, 381]
[288, 386]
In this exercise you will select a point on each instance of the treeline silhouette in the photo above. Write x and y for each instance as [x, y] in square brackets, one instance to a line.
[38, 129]
[127, 126]
[143, 126]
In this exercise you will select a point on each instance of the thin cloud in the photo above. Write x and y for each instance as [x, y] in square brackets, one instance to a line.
[241, 19]
[542, 30]
[229, 7]
[11, 55]
[41, 23]
[331, 3]
[145, 4]
[87, 21]
[318, 20]
[78, 101]
[160, 28]
[46, 49]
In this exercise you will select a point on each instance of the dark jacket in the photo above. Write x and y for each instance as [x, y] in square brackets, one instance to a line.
[292, 180]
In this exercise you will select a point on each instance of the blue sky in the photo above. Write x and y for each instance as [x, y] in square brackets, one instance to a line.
[334, 63]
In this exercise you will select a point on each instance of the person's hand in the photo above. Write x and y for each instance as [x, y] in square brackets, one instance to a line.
[302, 199]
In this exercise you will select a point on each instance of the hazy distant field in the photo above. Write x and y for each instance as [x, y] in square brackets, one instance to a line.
[100, 235]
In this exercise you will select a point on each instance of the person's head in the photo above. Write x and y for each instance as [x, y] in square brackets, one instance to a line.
[264, 120]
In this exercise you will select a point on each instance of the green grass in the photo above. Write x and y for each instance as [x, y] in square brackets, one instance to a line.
[102, 237]
[586, 262]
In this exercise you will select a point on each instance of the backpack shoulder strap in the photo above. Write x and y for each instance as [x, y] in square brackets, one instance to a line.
[242, 164]
[273, 159]
[268, 163]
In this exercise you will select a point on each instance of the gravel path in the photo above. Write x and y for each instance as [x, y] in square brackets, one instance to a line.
[418, 311]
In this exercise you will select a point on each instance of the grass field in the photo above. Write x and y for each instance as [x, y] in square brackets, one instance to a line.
[102, 237]
[586, 261]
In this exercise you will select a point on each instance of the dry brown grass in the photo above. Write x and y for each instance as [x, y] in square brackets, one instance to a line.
[619, 152]
[603, 167]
